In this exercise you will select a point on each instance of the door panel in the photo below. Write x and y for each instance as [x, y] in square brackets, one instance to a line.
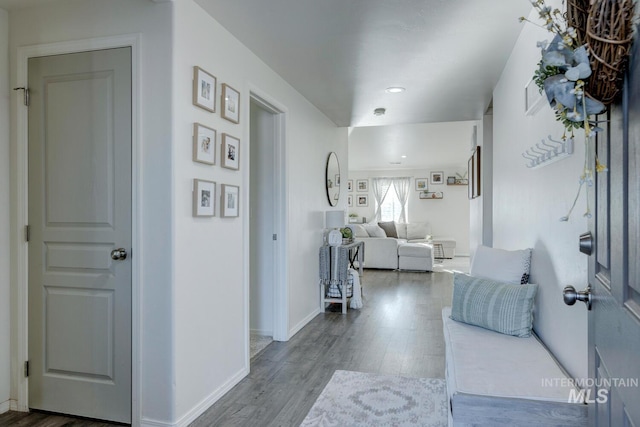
[614, 324]
[79, 211]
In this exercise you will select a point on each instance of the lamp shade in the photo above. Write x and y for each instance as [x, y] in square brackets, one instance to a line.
[334, 219]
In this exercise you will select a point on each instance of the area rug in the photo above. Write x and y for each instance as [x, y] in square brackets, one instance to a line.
[362, 399]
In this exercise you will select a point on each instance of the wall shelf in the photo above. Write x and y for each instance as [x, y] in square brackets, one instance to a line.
[431, 195]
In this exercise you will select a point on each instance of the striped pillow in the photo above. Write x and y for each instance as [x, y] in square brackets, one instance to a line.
[501, 307]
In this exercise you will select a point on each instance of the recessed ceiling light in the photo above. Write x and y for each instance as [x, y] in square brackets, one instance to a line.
[395, 89]
[379, 111]
[395, 163]
[404, 157]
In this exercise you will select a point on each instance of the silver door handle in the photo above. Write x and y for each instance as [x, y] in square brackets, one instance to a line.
[570, 296]
[119, 254]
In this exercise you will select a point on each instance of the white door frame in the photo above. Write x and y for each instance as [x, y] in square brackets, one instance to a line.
[20, 266]
[280, 271]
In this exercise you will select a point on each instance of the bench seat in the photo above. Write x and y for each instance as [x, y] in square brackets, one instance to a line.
[498, 380]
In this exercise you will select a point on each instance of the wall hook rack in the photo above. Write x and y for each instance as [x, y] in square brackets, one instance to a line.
[544, 153]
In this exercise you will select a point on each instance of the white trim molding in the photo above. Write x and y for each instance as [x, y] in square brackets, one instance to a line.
[19, 248]
[281, 268]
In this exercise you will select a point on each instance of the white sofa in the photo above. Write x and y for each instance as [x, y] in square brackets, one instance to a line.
[382, 252]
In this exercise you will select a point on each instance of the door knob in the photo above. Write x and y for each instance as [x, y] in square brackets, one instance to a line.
[119, 254]
[570, 296]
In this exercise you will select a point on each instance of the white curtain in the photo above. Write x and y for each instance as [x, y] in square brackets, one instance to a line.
[402, 187]
[380, 189]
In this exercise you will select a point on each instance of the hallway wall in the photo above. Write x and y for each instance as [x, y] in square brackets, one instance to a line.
[211, 288]
[529, 203]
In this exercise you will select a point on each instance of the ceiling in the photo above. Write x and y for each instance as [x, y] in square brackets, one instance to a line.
[342, 54]
[430, 146]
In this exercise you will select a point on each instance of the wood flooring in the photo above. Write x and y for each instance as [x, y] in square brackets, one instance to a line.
[398, 331]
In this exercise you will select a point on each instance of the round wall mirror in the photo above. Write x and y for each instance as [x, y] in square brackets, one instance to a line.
[333, 179]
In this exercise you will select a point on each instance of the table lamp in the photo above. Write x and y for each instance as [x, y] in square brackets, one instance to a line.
[334, 220]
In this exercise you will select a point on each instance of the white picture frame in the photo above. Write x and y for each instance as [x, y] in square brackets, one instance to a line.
[204, 89]
[230, 152]
[204, 144]
[204, 198]
[362, 185]
[533, 98]
[362, 200]
[230, 202]
[230, 104]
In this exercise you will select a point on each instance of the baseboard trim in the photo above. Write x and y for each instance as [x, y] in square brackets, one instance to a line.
[303, 323]
[5, 406]
[206, 403]
[262, 332]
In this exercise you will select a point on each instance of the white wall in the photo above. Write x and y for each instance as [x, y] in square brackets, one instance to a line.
[529, 203]
[5, 325]
[81, 19]
[449, 217]
[210, 293]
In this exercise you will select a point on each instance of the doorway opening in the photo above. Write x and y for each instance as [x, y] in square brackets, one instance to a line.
[268, 302]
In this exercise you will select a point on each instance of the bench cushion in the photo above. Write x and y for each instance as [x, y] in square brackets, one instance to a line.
[485, 363]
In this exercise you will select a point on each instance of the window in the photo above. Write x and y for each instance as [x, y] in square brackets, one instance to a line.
[391, 207]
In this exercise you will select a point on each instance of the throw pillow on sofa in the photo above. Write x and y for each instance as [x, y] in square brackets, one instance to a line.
[389, 228]
[358, 230]
[374, 230]
[401, 228]
[417, 231]
[502, 307]
[501, 265]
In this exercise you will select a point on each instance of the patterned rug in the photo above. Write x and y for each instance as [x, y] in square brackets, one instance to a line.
[361, 399]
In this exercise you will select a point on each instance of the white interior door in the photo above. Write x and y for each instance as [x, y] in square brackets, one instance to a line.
[614, 268]
[79, 212]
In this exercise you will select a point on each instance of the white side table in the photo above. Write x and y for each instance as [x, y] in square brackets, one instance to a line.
[355, 252]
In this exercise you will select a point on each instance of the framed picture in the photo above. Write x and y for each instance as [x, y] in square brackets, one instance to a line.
[350, 200]
[422, 184]
[362, 185]
[474, 174]
[204, 89]
[349, 185]
[230, 152]
[451, 180]
[204, 144]
[230, 103]
[230, 201]
[437, 178]
[362, 200]
[204, 196]
[533, 98]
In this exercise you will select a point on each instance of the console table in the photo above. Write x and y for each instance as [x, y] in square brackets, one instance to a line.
[354, 252]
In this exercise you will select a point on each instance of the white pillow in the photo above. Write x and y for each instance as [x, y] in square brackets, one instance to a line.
[501, 265]
[374, 230]
[402, 230]
[358, 230]
[417, 231]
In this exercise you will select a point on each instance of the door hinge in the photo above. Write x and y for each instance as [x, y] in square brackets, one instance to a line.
[275, 237]
[26, 369]
[26, 94]
[27, 232]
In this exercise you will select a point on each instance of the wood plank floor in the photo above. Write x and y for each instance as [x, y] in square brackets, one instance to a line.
[398, 331]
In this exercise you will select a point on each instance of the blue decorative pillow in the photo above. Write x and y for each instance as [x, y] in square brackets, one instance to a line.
[502, 307]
